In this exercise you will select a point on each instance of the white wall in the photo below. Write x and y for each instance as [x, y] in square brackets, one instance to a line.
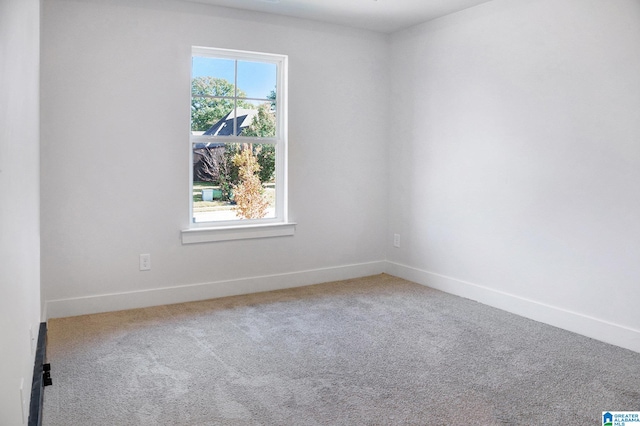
[115, 155]
[516, 160]
[19, 203]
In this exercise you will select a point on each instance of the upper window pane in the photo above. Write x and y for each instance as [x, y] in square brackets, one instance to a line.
[213, 69]
[259, 121]
[232, 97]
[257, 80]
[209, 114]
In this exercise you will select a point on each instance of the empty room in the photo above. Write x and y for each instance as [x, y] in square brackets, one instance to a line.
[306, 212]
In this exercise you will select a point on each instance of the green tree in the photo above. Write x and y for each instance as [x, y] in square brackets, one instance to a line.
[267, 161]
[272, 96]
[229, 171]
[264, 126]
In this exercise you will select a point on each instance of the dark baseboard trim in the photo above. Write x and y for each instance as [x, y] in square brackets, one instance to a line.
[37, 385]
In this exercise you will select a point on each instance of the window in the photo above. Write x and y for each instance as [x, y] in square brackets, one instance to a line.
[238, 141]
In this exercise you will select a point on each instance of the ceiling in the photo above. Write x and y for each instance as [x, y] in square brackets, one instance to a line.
[378, 15]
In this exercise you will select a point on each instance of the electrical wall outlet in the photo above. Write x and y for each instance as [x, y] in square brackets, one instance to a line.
[396, 240]
[145, 262]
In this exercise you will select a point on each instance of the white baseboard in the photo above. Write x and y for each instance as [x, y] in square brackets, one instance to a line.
[552, 315]
[188, 293]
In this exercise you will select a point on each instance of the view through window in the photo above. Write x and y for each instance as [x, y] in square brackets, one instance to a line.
[237, 137]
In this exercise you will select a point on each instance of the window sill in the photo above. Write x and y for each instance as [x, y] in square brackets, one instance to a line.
[228, 233]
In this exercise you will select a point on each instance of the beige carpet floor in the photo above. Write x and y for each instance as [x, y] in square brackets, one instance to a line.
[371, 351]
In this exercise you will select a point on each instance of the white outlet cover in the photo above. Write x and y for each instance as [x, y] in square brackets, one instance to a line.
[145, 262]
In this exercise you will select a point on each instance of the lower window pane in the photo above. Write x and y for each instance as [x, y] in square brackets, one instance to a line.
[233, 181]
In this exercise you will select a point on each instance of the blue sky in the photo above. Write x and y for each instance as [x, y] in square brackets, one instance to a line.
[256, 79]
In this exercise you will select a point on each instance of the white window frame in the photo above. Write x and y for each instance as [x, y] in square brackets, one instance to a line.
[200, 232]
